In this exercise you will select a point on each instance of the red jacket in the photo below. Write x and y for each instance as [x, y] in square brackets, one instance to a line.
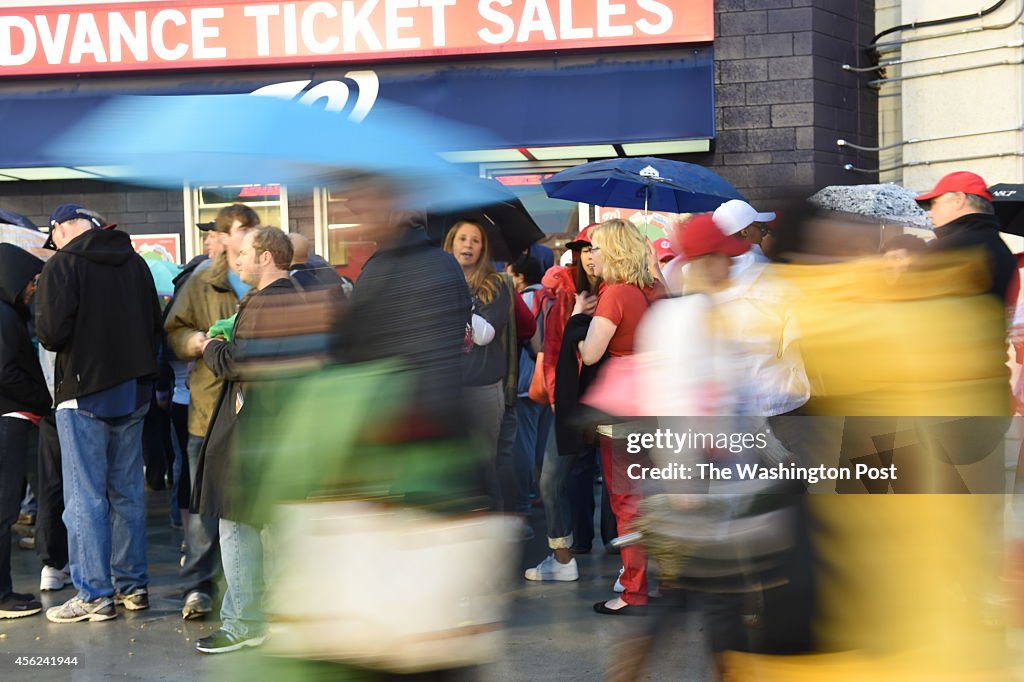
[526, 325]
[562, 281]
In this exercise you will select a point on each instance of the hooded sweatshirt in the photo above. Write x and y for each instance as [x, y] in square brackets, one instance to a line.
[97, 308]
[22, 386]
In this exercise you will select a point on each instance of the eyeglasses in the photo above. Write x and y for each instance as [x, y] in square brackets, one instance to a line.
[594, 249]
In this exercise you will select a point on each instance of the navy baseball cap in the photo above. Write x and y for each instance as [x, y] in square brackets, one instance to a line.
[206, 227]
[66, 212]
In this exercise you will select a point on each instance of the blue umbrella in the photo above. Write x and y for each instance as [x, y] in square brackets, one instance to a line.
[642, 182]
[163, 273]
[166, 141]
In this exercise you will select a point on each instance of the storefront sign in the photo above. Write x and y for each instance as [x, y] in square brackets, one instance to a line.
[535, 101]
[186, 35]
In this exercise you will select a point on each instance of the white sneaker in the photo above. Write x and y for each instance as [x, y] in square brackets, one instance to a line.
[550, 569]
[53, 579]
[619, 588]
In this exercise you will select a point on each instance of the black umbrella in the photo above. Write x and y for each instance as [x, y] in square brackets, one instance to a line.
[510, 228]
[1008, 200]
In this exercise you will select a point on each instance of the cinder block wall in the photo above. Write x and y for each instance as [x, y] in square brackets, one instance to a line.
[782, 98]
[139, 211]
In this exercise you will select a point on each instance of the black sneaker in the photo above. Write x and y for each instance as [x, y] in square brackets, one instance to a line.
[222, 641]
[17, 605]
[137, 600]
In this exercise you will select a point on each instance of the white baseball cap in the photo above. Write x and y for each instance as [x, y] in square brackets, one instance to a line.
[734, 215]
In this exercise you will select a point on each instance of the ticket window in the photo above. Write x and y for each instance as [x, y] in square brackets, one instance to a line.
[343, 241]
[269, 201]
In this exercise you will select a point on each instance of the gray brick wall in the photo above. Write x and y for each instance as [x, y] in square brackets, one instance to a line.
[136, 210]
[781, 96]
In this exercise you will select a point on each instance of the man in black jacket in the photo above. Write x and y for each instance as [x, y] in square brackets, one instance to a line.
[23, 401]
[97, 308]
[963, 217]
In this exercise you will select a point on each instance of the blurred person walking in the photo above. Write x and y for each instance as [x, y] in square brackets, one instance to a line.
[724, 358]
[24, 399]
[212, 293]
[408, 312]
[97, 307]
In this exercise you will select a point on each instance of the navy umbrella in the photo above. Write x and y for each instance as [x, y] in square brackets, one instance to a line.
[642, 182]
[12, 218]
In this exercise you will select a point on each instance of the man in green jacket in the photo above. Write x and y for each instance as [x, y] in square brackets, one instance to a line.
[211, 294]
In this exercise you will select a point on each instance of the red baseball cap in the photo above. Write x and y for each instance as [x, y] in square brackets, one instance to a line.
[582, 239]
[701, 237]
[663, 250]
[960, 181]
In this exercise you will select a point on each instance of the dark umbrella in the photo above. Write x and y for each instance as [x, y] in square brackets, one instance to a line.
[510, 228]
[642, 182]
[1008, 201]
[12, 218]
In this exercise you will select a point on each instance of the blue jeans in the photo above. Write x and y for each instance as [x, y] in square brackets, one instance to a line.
[104, 501]
[554, 491]
[531, 439]
[14, 443]
[179, 456]
[29, 504]
[241, 550]
[201, 536]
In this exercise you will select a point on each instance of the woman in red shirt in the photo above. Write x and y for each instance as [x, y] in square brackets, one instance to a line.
[622, 259]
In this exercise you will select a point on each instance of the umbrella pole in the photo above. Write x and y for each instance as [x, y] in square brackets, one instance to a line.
[647, 222]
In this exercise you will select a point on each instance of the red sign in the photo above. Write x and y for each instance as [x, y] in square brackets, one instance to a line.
[133, 36]
[260, 191]
[522, 180]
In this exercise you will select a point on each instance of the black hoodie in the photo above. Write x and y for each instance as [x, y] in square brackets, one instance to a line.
[980, 230]
[98, 309]
[22, 386]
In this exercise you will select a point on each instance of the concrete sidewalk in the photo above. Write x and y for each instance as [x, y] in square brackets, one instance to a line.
[553, 634]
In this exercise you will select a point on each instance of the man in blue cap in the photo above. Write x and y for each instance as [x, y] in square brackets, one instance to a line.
[97, 308]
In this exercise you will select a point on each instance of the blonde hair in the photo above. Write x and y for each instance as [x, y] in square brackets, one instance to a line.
[624, 252]
[483, 280]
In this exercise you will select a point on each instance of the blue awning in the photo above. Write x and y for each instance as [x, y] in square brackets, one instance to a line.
[535, 102]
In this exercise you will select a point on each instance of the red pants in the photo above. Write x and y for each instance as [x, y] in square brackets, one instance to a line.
[625, 495]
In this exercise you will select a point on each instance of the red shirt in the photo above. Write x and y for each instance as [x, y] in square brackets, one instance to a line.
[624, 305]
